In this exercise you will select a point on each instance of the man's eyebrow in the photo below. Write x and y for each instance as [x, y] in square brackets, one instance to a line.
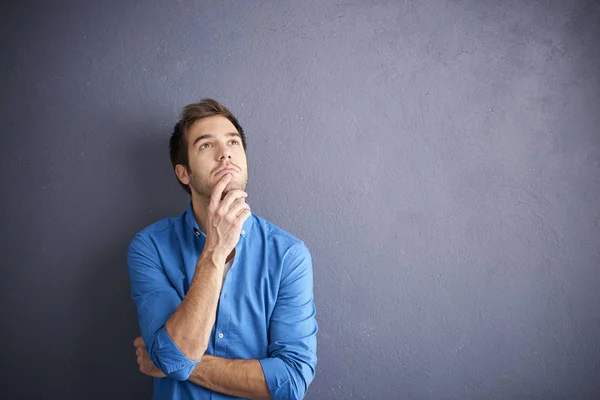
[201, 137]
[209, 136]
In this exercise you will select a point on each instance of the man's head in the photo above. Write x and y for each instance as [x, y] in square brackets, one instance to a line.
[207, 139]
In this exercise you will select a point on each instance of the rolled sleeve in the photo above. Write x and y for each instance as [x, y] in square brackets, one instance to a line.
[156, 300]
[290, 367]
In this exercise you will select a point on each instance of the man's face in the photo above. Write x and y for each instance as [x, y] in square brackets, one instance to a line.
[214, 149]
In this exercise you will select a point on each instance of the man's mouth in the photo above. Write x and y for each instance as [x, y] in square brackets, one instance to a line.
[226, 169]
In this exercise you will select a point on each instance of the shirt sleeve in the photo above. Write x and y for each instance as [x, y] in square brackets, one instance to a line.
[290, 367]
[156, 299]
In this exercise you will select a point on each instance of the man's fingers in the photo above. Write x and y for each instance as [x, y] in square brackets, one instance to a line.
[215, 198]
[237, 208]
[231, 198]
[139, 342]
[243, 216]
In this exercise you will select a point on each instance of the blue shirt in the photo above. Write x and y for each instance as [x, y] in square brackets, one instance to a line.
[266, 309]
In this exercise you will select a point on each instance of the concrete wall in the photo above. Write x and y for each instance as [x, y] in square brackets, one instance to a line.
[441, 159]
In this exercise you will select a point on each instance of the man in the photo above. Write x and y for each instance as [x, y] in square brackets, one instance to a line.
[224, 298]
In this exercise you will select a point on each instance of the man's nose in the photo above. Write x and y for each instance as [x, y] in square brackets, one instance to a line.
[224, 153]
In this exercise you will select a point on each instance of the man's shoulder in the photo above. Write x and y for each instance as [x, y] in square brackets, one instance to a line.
[164, 226]
[274, 233]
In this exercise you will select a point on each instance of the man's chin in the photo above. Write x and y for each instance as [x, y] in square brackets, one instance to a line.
[205, 191]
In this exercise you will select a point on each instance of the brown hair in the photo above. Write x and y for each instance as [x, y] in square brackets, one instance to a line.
[191, 113]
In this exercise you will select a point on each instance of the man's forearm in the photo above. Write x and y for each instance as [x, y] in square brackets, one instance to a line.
[241, 378]
[191, 324]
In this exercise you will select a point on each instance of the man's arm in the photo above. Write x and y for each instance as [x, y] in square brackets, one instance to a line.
[290, 367]
[191, 324]
[175, 332]
[156, 299]
[241, 378]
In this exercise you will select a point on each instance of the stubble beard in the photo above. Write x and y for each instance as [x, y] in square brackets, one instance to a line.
[203, 188]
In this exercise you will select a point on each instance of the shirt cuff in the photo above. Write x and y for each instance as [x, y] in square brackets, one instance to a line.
[167, 356]
[277, 377]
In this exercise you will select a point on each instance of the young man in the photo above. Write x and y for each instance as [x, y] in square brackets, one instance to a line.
[224, 298]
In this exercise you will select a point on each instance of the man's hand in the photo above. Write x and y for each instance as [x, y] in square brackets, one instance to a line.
[225, 218]
[143, 359]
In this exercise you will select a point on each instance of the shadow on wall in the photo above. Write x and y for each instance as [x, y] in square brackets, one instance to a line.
[146, 191]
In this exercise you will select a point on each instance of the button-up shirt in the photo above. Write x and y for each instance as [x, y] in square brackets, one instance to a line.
[266, 309]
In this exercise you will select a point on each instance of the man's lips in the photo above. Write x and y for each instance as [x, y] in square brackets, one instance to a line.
[227, 169]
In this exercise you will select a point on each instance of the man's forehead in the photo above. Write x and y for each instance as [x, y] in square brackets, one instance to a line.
[216, 126]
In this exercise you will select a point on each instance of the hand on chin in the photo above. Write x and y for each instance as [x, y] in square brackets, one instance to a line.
[233, 185]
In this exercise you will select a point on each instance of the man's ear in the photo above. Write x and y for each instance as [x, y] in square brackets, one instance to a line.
[182, 174]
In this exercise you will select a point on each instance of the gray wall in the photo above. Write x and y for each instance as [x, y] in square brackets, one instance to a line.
[441, 159]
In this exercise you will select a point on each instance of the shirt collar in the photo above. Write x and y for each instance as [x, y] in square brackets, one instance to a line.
[193, 224]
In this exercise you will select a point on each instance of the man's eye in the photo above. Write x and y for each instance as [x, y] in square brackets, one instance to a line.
[234, 142]
[205, 146]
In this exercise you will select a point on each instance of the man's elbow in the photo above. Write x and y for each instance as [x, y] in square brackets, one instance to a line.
[298, 390]
[288, 376]
[176, 368]
[182, 374]
[301, 375]
[165, 354]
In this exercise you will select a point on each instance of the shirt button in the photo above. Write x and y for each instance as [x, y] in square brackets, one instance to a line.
[243, 232]
[220, 335]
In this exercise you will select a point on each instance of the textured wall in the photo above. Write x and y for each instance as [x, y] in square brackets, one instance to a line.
[441, 159]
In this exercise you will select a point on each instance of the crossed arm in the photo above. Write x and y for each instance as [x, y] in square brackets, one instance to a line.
[241, 378]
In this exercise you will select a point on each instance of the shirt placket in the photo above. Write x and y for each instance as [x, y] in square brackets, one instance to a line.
[223, 307]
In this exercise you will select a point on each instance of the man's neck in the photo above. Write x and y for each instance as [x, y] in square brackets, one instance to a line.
[200, 206]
